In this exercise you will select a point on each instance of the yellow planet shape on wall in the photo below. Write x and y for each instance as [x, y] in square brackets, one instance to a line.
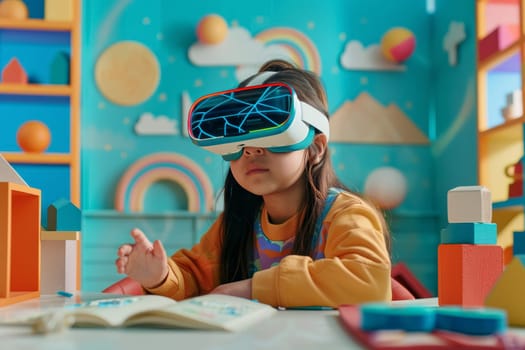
[127, 73]
[212, 29]
[398, 44]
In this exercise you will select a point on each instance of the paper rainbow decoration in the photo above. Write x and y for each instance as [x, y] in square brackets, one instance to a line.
[146, 171]
[298, 46]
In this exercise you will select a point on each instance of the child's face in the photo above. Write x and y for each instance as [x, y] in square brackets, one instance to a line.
[262, 172]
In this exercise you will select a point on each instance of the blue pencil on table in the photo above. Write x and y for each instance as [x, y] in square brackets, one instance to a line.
[64, 294]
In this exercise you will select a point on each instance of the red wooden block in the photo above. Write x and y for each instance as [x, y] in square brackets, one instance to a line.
[516, 189]
[402, 274]
[467, 272]
[497, 40]
[13, 72]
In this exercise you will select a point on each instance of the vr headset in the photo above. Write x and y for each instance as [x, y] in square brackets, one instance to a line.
[269, 116]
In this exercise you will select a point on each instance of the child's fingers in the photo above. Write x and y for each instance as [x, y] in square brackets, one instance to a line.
[140, 238]
[158, 250]
[124, 250]
[121, 264]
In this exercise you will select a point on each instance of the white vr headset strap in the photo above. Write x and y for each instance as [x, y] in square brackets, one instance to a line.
[260, 78]
[315, 118]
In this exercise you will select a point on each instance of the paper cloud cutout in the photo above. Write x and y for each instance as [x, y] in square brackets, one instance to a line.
[239, 48]
[357, 57]
[148, 124]
[365, 120]
[455, 35]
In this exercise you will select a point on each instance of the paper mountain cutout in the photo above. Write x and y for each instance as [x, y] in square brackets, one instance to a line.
[508, 291]
[9, 174]
[365, 120]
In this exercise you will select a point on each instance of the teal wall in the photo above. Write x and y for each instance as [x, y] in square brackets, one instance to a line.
[429, 92]
[454, 104]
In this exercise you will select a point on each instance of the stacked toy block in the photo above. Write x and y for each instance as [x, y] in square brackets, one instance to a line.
[469, 259]
[60, 248]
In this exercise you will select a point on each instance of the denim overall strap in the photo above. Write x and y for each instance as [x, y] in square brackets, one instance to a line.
[283, 248]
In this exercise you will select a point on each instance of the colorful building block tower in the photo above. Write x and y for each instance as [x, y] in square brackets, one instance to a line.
[469, 259]
[509, 289]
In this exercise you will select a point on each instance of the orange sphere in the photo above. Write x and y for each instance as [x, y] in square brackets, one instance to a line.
[13, 9]
[212, 29]
[33, 136]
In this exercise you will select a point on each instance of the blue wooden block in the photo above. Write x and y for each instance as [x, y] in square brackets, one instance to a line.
[518, 246]
[414, 318]
[473, 321]
[470, 233]
[62, 215]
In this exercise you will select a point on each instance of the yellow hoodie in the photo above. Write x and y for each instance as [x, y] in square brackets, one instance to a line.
[353, 264]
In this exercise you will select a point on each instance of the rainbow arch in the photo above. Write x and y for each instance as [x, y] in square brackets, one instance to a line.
[132, 187]
[296, 44]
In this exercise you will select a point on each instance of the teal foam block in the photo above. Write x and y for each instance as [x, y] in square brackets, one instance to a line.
[470, 233]
[518, 245]
[381, 316]
[473, 321]
[62, 215]
[60, 68]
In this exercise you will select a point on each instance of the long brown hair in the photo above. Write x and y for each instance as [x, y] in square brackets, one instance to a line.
[242, 207]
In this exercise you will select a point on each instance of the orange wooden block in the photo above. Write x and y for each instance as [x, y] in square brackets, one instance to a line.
[14, 73]
[467, 272]
[19, 243]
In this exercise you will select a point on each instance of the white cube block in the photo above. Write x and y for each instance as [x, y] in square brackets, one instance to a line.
[59, 265]
[514, 97]
[469, 204]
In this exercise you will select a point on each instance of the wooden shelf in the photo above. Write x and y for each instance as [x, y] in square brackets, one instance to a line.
[38, 158]
[36, 24]
[508, 131]
[35, 89]
[502, 145]
[511, 204]
[500, 56]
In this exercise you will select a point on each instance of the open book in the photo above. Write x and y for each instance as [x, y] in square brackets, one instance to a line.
[211, 311]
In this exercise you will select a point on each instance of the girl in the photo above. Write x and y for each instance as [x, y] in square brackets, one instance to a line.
[290, 235]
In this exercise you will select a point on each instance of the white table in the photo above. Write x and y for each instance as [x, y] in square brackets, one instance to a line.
[290, 329]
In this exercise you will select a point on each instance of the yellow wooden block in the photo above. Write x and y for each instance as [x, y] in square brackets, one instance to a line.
[58, 10]
[508, 292]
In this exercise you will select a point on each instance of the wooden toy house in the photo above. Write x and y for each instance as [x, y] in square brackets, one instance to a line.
[19, 243]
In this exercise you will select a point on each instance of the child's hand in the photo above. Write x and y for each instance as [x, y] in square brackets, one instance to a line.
[143, 261]
[241, 289]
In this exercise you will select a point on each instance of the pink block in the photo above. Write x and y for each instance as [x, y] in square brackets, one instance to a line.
[497, 40]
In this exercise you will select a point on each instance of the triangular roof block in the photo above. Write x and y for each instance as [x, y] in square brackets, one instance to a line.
[509, 290]
[13, 72]
[62, 215]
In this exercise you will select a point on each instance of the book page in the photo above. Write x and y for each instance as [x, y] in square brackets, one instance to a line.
[212, 311]
[112, 312]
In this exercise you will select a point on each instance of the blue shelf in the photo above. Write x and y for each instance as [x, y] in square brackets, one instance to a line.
[511, 203]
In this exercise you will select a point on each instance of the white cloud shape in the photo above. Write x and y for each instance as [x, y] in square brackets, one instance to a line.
[455, 35]
[238, 48]
[148, 124]
[357, 57]
[245, 71]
